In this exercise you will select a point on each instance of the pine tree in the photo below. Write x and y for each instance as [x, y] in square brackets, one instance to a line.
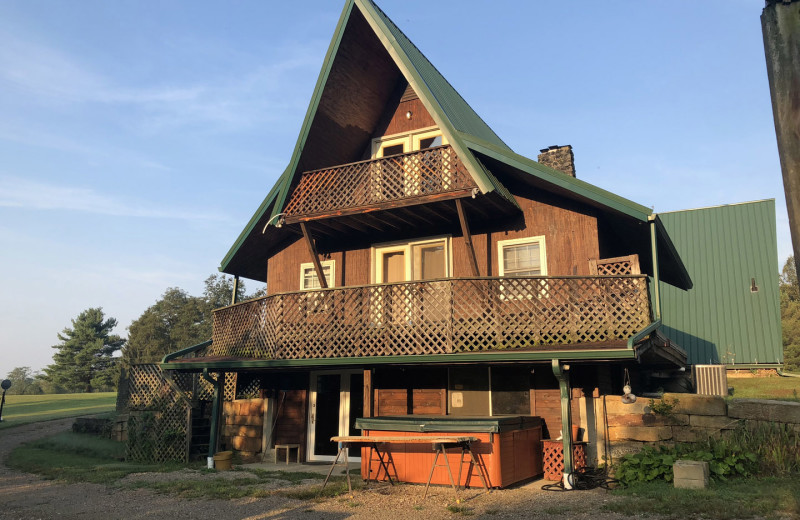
[84, 359]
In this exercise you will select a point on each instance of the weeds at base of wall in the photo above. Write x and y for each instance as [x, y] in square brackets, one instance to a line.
[757, 449]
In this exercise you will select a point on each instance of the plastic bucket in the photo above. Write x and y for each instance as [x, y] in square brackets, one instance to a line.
[223, 460]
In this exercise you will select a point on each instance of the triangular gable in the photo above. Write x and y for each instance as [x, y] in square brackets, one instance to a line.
[467, 133]
[451, 113]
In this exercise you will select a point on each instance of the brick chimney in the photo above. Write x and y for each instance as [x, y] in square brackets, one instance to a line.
[559, 158]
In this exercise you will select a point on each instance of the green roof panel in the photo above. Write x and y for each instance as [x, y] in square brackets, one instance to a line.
[722, 319]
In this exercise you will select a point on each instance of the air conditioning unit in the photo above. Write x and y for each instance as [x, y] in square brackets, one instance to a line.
[711, 380]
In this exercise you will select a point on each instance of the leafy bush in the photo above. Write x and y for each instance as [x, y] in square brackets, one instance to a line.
[655, 463]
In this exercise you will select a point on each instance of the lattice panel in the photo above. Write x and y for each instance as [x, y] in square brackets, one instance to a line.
[619, 266]
[553, 459]
[415, 174]
[159, 417]
[436, 317]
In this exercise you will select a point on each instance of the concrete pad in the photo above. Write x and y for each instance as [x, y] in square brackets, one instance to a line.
[690, 474]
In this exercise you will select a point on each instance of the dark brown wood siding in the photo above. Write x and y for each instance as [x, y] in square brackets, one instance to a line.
[396, 121]
[570, 232]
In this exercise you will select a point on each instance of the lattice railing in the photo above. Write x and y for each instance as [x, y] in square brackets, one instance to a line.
[365, 183]
[433, 317]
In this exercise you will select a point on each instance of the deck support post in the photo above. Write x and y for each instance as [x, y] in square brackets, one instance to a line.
[562, 375]
[462, 217]
[235, 289]
[314, 258]
[212, 441]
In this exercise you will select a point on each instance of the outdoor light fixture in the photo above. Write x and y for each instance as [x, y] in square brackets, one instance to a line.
[627, 392]
[278, 224]
[409, 114]
[6, 384]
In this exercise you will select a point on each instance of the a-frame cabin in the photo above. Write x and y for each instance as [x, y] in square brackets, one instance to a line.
[421, 275]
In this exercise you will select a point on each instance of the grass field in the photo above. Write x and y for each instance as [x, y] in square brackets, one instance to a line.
[776, 387]
[24, 409]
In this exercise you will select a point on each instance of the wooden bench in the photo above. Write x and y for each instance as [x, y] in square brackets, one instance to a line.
[440, 445]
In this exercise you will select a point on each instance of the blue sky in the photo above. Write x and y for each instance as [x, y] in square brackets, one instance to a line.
[137, 138]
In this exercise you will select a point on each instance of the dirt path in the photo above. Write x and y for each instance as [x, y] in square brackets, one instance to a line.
[24, 496]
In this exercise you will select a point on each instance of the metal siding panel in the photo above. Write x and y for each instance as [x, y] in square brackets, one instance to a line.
[720, 320]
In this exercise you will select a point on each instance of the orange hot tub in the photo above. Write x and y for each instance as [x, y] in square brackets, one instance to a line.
[508, 447]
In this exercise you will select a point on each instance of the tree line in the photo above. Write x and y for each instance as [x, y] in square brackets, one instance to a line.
[89, 357]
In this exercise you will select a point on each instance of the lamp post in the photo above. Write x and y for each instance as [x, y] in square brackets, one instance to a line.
[6, 384]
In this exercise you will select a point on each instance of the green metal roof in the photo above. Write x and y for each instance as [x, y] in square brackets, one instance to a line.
[467, 133]
[448, 101]
[720, 320]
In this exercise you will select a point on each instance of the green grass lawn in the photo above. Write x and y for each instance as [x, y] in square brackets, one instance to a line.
[24, 409]
[77, 457]
[770, 497]
[776, 387]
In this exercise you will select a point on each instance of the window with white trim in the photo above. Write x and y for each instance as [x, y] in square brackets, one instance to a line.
[522, 257]
[308, 275]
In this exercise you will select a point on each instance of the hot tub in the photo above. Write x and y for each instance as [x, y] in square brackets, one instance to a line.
[508, 447]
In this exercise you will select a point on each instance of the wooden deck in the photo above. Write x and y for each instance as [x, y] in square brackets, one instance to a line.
[418, 177]
[457, 315]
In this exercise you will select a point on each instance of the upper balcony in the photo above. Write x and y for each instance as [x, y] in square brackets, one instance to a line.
[455, 315]
[419, 177]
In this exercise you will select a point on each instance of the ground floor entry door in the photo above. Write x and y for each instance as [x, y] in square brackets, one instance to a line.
[335, 402]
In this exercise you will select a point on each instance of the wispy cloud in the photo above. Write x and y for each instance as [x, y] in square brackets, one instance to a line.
[26, 194]
[46, 75]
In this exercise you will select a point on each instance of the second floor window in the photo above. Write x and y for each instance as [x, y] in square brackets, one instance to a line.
[308, 275]
[522, 257]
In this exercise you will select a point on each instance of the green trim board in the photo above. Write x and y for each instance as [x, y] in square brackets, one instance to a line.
[721, 320]
[481, 357]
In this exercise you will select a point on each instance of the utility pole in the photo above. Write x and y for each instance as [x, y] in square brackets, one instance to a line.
[780, 24]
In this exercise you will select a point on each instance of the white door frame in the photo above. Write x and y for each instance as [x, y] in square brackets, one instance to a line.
[344, 410]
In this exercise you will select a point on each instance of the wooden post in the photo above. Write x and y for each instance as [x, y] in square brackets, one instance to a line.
[367, 412]
[314, 258]
[235, 289]
[462, 217]
[781, 37]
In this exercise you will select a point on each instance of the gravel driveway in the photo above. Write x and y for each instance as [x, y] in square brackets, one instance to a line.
[24, 496]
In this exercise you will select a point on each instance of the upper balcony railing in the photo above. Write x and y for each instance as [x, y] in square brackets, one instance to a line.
[374, 182]
[435, 317]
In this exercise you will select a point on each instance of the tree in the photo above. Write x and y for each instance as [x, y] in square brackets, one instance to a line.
[790, 315]
[23, 382]
[84, 361]
[178, 320]
[175, 321]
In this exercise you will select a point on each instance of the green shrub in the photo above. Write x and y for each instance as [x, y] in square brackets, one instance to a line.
[655, 463]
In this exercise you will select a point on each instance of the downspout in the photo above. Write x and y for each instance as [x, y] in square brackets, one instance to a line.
[235, 289]
[568, 479]
[656, 276]
[212, 441]
[633, 340]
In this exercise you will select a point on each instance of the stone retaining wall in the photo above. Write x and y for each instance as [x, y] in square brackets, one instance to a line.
[623, 428]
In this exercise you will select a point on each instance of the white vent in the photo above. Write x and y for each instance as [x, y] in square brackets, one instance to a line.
[711, 380]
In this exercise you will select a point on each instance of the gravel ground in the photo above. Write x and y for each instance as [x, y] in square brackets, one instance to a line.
[24, 496]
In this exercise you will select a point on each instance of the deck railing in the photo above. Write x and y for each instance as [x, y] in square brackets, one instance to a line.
[434, 317]
[368, 183]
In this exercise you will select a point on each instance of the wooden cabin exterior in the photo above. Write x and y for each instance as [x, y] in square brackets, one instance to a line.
[415, 265]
